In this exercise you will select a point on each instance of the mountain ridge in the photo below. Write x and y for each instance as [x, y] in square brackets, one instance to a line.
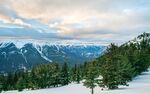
[18, 55]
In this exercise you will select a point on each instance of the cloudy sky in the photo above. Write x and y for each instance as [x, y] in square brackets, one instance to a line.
[105, 21]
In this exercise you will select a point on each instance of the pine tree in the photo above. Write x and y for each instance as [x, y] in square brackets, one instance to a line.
[78, 77]
[20, 84]
[56, 76]
[115, 68]
[91, 77]
[74, 73]
[65, 74]
[1, 82]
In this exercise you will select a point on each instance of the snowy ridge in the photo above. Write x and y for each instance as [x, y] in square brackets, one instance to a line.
[38, 44]
[21, 42]
[139, 38]
[27, 53]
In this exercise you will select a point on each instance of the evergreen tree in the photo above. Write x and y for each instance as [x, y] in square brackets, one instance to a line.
[115, 68]
[74, 73]
[20, 84]
[91, 77]
[65, 74]
[78, 77]
[56, 76]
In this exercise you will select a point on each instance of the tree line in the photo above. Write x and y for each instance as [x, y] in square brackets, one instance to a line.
[42, 76]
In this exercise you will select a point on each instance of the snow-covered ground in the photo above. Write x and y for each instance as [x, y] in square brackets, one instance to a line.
[140, 85]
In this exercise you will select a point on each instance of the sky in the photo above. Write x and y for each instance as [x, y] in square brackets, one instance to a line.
[103, 21]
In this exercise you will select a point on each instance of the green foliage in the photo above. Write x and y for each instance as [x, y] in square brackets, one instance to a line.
[91, 77]
[41, 76]
[65, 79]
[121, 63]
[46, 75]
[20, 84]
[76, 73]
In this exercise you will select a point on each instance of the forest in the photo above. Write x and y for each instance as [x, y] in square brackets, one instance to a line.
[117, 66]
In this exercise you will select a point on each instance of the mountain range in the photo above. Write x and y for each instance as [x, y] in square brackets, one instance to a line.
[16, 55]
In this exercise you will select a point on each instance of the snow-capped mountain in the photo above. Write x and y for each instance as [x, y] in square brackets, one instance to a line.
[25, 54]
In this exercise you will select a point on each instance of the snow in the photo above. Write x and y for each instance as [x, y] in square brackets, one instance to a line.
[70, 89]
[21, 42]
[4, 44]
[140, 85]
[38, 48]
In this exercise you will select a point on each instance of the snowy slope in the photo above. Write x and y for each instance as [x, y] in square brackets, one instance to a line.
[140, 85]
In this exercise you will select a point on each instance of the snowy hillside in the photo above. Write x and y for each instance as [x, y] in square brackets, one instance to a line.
[140, 85]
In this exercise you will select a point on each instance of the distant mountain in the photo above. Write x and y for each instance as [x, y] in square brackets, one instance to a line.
[16, 55]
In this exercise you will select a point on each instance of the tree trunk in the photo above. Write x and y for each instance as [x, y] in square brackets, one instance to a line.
[92, 90]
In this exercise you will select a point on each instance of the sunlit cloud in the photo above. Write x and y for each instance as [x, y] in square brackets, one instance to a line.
[101, 20]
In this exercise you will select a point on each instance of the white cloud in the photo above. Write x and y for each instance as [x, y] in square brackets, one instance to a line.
[81, 19]
[20, 23]
[13, 21]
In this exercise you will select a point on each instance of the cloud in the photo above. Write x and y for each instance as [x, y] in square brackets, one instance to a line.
[5, 19]
[18, 22]
[80, 19]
